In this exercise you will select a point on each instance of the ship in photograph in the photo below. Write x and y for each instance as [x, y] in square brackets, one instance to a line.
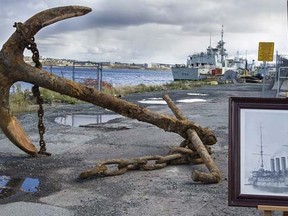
[212, 62]
[276, 177]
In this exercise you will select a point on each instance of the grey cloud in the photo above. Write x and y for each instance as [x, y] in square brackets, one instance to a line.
[121, 27]
[115, 13]
[194, 16]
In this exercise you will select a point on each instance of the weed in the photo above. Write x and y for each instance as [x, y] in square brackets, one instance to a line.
[21, 101]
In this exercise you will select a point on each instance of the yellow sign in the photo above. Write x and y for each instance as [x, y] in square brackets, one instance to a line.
[265, 51]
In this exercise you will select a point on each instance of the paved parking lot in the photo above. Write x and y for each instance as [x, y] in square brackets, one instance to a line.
[55, 188]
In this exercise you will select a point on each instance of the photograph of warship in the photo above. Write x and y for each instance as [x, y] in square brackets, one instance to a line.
[274, 179]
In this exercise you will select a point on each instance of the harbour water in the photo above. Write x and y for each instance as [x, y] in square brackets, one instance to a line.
[116, 77]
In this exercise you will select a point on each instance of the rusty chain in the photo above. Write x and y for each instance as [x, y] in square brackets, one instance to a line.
[176, 156]
[31, 45]
[184, 154]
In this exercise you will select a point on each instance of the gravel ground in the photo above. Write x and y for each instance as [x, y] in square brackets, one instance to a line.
[169, 191]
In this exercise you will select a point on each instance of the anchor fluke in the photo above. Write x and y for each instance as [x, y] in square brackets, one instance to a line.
[13, 130]
[12, 67]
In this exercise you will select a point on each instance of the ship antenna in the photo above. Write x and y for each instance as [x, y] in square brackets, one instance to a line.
[210, 40]
[261, 148]
[222, 44]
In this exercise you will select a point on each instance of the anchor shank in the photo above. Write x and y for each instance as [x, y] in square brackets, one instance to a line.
[91, 95]
[13, 69]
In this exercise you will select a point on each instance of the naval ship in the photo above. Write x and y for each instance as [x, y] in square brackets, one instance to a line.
[276, 176]
[212, 62]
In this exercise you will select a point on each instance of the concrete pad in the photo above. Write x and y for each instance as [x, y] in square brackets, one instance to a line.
[32, 209]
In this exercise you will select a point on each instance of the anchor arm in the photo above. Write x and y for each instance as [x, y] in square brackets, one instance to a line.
[9, 124]
[11, 55]
[13, 68]
[15, 132]
[15, 43]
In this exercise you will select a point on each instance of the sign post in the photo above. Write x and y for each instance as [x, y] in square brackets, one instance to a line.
[265, 53]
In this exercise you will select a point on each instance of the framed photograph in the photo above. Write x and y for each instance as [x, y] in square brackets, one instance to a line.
[258, 152]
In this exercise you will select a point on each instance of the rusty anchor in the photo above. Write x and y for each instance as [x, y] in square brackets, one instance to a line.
[13, 69]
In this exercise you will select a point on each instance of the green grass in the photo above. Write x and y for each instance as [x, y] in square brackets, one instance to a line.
[19, 100]
[23, 101]
[176, 85]
[51, 97]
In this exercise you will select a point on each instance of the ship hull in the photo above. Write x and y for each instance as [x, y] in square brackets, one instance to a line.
[269, 179]
[185, 73]
[270, 183]
[272, 187]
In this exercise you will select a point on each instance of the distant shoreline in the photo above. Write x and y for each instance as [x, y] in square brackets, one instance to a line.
[112, 67]
[136, 68]
[48, 62]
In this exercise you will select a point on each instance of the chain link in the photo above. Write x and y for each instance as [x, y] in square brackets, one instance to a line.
[176, 156]
[32, 46]
[184, 154]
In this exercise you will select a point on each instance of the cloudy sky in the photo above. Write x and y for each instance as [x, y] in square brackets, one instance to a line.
[152, 30]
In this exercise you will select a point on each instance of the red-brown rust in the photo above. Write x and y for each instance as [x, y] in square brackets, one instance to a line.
[13, 130]
[215, 174]
[73, 89]
[15, 43]
[11, 56]
[13, 68]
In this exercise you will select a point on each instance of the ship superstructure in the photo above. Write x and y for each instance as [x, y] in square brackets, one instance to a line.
[212, 62]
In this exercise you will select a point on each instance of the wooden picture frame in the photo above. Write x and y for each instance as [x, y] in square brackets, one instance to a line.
[258, 155]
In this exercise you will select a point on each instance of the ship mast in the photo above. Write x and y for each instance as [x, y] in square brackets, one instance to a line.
[210, 38]
[222, 45]
[210, 45]
[287, 12]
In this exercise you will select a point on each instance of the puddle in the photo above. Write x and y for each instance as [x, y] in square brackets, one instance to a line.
[197, 94]
[194, 116]
[160, 101]
[153, 101]
[10, 186]
[76, 120]
[194, 100]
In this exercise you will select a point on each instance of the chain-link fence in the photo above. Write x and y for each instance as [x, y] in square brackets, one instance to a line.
[281, 74]
[90, 75]
[281, 62]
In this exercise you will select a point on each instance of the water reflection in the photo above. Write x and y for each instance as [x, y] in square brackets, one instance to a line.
[155, 101]
[160, 101]
[192, 100]
[10, 186]
[76, 120]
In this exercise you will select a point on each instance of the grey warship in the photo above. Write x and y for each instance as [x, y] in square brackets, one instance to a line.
[276, 176]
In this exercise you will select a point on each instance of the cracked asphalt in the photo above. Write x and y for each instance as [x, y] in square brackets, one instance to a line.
[164, 192]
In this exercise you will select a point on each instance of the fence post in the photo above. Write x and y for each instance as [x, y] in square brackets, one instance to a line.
[99, 75]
